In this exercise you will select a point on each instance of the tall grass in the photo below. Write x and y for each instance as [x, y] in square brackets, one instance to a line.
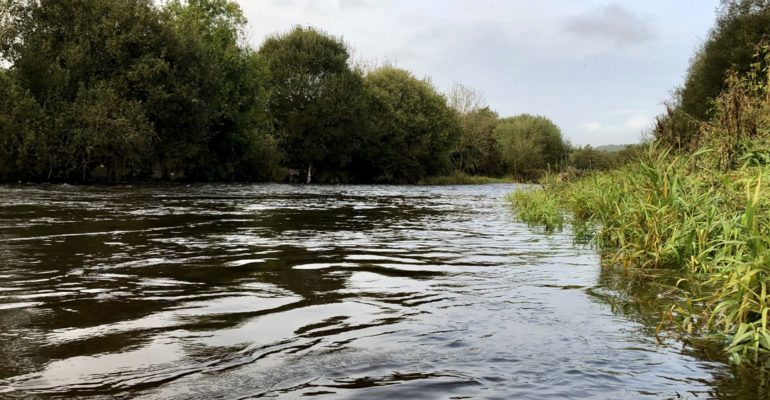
[703, 211]
[742, 300]
[538, 207]
[666, 211]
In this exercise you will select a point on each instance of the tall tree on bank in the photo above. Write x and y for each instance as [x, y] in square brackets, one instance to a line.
[412, 130]
[233, 76]
[477, 151]
[316, 99]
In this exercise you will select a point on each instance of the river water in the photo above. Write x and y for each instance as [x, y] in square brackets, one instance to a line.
[237, 291]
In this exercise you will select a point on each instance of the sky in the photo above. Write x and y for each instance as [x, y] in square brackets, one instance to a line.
[598, 69]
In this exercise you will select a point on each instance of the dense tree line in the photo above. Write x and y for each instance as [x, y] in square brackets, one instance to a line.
[124, 89]
[127, 90]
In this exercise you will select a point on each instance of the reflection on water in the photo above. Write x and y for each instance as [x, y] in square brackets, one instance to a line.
[337, 292]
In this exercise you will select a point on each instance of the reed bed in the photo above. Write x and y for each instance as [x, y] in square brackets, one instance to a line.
[703, 211]
[667, 211]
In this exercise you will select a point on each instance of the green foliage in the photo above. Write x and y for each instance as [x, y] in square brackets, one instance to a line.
[9, 9]
[537, 207]
[530, 143]
[105, 132]
[661, 212]
[19, 124]
[133, 90]
[742, 302]
[477, 150]
[741, 24]
[589, 159]
[412, 130]
[316, 99]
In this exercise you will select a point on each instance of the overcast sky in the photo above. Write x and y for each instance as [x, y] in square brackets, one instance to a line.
[598, 69]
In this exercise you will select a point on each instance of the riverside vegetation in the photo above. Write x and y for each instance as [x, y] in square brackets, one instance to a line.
[138, 90]
[695, 199]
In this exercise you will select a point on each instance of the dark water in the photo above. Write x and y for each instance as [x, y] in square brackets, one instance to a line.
[337, 292]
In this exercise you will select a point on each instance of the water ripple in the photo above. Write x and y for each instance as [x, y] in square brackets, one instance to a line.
[338, 292]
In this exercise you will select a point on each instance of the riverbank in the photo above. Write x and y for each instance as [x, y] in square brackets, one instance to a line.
[670, 212]
[456, 178]
[701, 209]
[461, 178]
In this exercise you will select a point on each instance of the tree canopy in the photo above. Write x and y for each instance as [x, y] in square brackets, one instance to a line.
[530, 142]
[411, 128]
[138, 90]
[730, 45]
[316, 99]
[133, 90]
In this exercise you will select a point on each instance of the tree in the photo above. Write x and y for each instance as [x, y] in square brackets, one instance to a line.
[589, 159]
[233, 101]
[316, 99]
[731, 44]
[8, 9]
[67, 55]
[522, 152]
[19, 123]
[530, 142]
[465, 99]
[132, 89]
[477, 150]
[411, 128]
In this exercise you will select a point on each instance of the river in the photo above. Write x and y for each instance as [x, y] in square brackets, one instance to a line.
[240, 291]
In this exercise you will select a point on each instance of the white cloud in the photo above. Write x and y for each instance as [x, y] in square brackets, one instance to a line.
[591, 126]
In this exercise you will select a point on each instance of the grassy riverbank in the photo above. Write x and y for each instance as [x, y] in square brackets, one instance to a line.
[702, 211]
[461, 178]
[666, 211]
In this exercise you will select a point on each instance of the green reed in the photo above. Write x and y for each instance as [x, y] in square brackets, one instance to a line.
[538, 207]
[703, 211]
[669, 211]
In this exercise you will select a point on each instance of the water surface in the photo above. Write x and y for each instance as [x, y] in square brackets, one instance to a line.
[334, 292]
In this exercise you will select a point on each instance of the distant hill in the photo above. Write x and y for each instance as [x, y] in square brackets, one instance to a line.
[611, 147]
